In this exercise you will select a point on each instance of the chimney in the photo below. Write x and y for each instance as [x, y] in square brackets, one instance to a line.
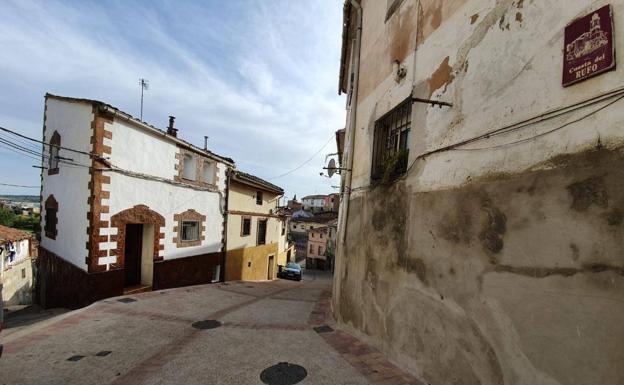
[171, 130]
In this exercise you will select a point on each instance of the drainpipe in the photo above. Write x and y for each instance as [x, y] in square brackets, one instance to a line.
[226, 214]
[350, 134]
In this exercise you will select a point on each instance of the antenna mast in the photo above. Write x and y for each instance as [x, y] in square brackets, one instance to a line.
[144, 86]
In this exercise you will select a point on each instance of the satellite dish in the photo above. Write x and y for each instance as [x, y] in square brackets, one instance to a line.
[331, 167]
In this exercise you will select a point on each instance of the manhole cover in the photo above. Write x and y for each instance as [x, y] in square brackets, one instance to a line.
[283, 374]
[207, 324]
[323, 329]
[103, 353]
[126, 300]
[75, 358]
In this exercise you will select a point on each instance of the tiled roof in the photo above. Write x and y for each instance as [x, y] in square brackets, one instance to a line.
[314, 197]
[248, 178]
[318, 218]
[9, 234]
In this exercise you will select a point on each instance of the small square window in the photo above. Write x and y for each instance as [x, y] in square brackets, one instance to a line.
[259, 197]
[190, 230]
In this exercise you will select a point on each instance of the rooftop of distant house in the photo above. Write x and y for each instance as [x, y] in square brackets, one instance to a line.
[319, 218]
[253, 180]
[315, 197]
[9, 234]
[145, 125]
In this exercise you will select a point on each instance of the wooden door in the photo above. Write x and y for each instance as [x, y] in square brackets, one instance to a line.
[132, 254]
[271, 263]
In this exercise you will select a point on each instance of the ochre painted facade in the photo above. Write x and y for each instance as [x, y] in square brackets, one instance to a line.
[251, 263]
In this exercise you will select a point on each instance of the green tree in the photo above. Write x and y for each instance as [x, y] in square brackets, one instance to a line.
[7, 217]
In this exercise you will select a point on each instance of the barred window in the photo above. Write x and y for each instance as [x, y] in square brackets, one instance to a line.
[390, 143]
[190, 230]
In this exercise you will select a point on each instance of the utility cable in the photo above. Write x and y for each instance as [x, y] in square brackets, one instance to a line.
[305, 162]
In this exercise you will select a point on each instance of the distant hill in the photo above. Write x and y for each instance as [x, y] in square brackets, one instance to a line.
[21, 198]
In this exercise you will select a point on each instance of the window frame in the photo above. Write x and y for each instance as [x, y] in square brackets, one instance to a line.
[189, 215]
[266, 226]
[182, 230]
[50, 228]
[185, 168]
[242, 231]
[259, 198]
[391, 140]
[54, 152]
[213, 174]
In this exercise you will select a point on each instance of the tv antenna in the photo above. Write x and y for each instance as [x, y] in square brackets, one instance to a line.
[144, 87]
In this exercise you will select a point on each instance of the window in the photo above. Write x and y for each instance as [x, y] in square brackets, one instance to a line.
[51, 211]
[190, 230]
[190, 167]
[216, 273]
[284, 227]
[53, 161]
[390, 144]
[321, 235]
[320, 251]
[245, 226]
[208, 172]
[258, 197]
[311, 249]
[262, 226]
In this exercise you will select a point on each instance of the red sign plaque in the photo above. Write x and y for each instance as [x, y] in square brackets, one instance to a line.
[589, 47]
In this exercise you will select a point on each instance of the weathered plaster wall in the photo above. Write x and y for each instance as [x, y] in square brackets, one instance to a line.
[70, 186]
[17, 283]
[494, 266]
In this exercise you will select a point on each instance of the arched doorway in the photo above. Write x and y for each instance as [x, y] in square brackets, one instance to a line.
[138, 243]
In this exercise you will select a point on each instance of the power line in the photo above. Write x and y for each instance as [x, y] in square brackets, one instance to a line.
[18, 185]
[306, 162]
[48, 144]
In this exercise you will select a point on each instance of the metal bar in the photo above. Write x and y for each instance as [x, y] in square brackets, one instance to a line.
[432, 102]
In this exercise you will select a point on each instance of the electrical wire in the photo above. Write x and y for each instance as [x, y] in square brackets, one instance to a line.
[618, 93]
[18, 185]
[305, 162]
[48, 144]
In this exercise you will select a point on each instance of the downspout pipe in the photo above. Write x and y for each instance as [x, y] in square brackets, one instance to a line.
[351, 127]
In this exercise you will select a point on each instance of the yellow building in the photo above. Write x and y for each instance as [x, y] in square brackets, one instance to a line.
[256, 233]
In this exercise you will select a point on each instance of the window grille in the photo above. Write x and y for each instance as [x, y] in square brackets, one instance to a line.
[390, 143]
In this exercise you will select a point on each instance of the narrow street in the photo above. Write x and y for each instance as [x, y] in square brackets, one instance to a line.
[150, 338]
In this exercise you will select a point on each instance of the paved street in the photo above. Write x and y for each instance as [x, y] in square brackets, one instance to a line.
[152, 340]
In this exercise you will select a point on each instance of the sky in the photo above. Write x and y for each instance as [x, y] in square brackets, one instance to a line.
[259, 77]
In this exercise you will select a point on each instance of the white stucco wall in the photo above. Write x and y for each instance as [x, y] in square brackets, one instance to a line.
[139, 151]
[70, 186]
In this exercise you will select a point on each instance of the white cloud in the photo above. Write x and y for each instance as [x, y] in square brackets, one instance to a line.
[258, 77]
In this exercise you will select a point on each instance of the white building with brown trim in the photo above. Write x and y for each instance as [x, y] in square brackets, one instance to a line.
[125, 206]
